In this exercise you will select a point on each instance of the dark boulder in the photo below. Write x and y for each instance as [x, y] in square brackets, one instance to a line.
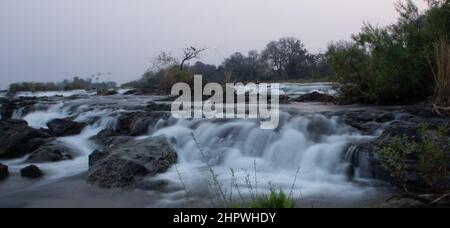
[65, 127]
[4, 172]
[18, 139]
[126, 165]
[31, 172]
[50, 152]
[152, 106]
[139, 123]
[315, 97]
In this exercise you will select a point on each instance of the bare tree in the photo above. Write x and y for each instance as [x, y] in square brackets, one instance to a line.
[189, 54]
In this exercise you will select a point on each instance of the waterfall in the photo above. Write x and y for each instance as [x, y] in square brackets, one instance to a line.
[313, 143]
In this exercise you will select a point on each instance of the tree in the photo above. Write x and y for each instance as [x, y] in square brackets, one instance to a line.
[288, 57]
[189, 54]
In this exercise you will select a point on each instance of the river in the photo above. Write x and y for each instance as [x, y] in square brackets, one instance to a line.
[304, 156]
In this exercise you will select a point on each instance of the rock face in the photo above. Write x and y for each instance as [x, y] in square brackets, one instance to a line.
[138, 123]
[315, 97]
[4, 172]
[18, 139]
[9, 106]
[65, 127]
[126, 165]
[393, 124]
[31, 172]
[50, 152]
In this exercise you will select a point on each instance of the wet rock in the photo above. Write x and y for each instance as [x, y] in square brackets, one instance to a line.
[408, 126]
[4, 172]
[315, 97]
[152, 106]
[139, 123]
[105, 135]
[130, 92]
[403, 203]
[97, 156]
[18, 139]
[31, 172]
[51, 152]
[126, 165]
[65, 127]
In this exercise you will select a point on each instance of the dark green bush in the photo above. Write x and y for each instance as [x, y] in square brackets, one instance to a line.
[386, 65]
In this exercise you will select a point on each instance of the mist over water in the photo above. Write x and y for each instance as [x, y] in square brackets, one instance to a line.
[313, 144]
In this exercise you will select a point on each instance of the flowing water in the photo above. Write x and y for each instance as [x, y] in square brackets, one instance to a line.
[304, 156]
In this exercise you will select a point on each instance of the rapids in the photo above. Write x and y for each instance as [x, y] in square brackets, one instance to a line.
[305, 155]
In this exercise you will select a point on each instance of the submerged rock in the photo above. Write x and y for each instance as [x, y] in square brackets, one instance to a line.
[125, 165]
[65, 127]
[4, 172]
[18, 139]
[50, 152]
[31, 172]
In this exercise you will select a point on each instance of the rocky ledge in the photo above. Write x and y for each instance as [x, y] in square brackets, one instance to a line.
[126, 165]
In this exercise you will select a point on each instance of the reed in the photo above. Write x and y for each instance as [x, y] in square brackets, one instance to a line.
[441, 73]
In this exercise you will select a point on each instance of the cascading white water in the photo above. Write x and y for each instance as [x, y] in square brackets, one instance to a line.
[312, 143]
[81, 145]
[39, 119]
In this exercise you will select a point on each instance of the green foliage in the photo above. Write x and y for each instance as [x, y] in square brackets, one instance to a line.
[275, 200]
[386, 65]
[433, 158]
[431, 152]
[393, 157]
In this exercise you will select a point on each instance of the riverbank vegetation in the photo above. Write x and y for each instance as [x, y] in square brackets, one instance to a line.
[430, 151]
[92, 83]
[395, 64]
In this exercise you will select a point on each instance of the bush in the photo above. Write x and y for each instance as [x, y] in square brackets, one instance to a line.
[389, 64]
[431, 152]
[433, 158]
[393, 157]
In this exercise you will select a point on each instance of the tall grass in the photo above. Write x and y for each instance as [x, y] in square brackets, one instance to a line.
[442, 76]
[221, 198]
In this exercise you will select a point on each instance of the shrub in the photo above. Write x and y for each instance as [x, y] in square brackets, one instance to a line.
[393, 158]
[431, 152]
[389, 64]
[433, 159]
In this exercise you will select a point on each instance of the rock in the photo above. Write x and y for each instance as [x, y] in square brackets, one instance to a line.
[139, 123]
[51, 152]
[31, 172]
[18, 139]
[127, 164]
[105, 135]
[97, 156]
[4, 172]
[65, 127]
[403, 203]
[404, 125]
[130, 92]
[315, 97]
[152, 106]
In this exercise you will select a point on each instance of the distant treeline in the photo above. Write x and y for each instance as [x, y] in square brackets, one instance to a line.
[74, 84]
[285, 59]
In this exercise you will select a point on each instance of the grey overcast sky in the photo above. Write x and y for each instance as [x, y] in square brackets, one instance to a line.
[50, 40]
